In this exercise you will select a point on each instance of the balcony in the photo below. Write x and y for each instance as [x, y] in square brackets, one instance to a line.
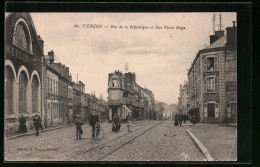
[114, 102]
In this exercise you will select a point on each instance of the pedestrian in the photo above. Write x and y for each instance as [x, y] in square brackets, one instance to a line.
[184, 118]
[116, 123]
[129, 123]
[180, 118]
[22, 126]
[93, 121]
[79, 123]
[176, 120]
[37, 123]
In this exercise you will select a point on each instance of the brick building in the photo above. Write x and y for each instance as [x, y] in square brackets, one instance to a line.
[23, 61]
[212, 78]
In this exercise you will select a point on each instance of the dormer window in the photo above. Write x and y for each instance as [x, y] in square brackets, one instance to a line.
[22, 36]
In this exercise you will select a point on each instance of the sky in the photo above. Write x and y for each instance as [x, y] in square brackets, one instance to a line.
[159, 57]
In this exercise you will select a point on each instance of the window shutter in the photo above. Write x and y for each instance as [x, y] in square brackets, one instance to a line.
[216, 110]
[205, 84]
[205, 111]
[205, 64]
[216, 83]
[216, 63]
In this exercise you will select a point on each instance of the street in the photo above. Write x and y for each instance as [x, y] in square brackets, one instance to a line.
[148, 141]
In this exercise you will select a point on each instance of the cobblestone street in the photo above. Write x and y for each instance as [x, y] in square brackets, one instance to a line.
[148, 141]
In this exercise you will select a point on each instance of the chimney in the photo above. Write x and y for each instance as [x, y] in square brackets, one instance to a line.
[41, 43]
[219, 34]
[212, 39]
[134, 76]
[232, 35]
[51, 56]
[70, 78]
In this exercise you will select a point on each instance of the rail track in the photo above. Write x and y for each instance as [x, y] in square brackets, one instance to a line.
[71, 153]
[125, 143]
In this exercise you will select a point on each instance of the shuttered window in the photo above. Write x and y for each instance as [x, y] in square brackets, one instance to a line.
[210, 63]
[211, 84]
[215, 63]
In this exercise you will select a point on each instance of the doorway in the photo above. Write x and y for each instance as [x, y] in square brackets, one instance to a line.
[211, 109]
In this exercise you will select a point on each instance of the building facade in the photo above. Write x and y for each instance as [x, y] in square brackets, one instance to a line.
[183, 99]
[23, 62]
[56, 92]
[126, 97]
[212, 79]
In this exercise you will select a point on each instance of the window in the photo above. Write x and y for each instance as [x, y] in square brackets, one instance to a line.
[210, 63]
[210, 84]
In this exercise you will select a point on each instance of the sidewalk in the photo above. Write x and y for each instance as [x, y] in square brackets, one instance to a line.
[219, 139]
[188, 123]
[30, 131]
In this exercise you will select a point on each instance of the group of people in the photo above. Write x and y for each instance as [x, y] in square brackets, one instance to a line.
[93, 121]
[36, 123]
[116, 123]
[179, 118]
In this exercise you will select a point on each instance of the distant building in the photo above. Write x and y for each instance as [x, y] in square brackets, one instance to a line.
[23, 73]
[168, 114]
[126, 97]
[79, 100]
[212, 79]
[183, 99]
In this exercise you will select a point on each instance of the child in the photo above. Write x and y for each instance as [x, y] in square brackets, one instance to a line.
[129, 125]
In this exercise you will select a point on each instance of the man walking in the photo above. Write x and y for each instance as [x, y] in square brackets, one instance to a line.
[79, 123]
[93, 120]
[37, 123]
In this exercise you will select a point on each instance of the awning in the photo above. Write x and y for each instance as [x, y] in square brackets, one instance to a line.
[127, 109]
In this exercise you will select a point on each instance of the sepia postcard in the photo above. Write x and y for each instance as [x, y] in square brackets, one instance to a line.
[111, 86]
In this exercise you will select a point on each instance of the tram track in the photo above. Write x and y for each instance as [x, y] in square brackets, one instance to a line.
[127, 142]
[96, 149]
[75, 151]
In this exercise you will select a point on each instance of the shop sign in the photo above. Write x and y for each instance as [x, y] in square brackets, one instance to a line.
[21, 55]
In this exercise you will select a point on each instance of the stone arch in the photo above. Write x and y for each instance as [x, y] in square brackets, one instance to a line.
[23, 68]
[21, 20]
[9, 63]
[37, 75]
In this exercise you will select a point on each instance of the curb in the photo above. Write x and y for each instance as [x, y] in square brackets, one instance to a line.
[202, 148]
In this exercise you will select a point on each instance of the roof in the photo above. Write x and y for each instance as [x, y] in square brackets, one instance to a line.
[221, 42]
[115, 77]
